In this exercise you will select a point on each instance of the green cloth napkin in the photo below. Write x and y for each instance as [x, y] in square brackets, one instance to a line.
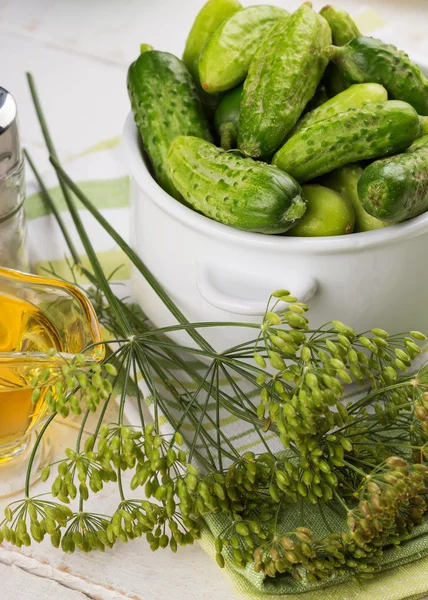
[403, 576]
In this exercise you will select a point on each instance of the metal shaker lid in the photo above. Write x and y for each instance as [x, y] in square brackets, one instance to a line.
[10, 149]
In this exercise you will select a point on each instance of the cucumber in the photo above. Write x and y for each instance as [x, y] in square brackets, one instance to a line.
[355, 96]
[227, 118]
[345, 181]
[343, 30]
[283, 76]
[236, 191]
[370, 131]
[225, 59]
[145, 48]
[367, 59]
[396, 189]
[327, 213]
[165, 104]
[211, 15]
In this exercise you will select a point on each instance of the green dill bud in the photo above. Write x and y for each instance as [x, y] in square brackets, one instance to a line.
[276, 361]
[307, 477]
[289, 410]
[344, 376]
[242, 529]
[337, 364]
[259, 360]
[344, 341]
[418, 335]
[306, 354]
[340, 327]
[273, 318]
[220, 560]
[35, 396]
[402, 355]
[274, 493]
[83, 491]
[411, 346]
[219, 491]
[170, 507]
[302, 489]
[280, 293]
[295, 320]
[311, 380]
[381, 333]
[110, 369]
[298, 308]
[288, 298]
[346, 444]
[261, 379]
[367, 343]
[401, 365]
[286, 336]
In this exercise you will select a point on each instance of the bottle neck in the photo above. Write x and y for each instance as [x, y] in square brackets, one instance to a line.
[12, 192]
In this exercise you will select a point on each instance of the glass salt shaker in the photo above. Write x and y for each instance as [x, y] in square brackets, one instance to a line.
[12, 188]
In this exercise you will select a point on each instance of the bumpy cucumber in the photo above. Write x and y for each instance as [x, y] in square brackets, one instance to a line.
[236, 191]
[327, 213]
[345, 181]
[371, 131]
[208, 19]
[225, 59]
[343, 28]
[367, 59]
[227, 118]
[165, 104]
[355, 96]
[396, 189]
[282, 78]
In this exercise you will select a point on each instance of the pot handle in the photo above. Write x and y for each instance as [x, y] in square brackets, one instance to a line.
[247, 293]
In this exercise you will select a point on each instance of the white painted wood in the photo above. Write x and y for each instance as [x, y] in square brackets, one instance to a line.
[78, 51]
[16, 580]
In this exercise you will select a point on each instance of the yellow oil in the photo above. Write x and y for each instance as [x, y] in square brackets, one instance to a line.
[23, 328]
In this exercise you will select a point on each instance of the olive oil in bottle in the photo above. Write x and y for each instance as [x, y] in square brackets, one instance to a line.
[25, 334]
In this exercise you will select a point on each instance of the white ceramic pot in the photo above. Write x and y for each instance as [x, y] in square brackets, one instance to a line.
[216, 273]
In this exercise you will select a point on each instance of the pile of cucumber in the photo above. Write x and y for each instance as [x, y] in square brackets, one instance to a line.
[275, 122]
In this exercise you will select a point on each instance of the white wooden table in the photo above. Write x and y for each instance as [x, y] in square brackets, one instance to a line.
[78, 51]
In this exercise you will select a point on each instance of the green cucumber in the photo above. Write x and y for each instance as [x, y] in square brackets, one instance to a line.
[366, 59]
[343, 28]
[165, 104]
[227, 118]
[396, 189]
[345, 181]
[370, 131]
[211, 15]
[236, 191]
[145, 48]
[327, 213]
[225, 59]
[283, 76]
[355, 96]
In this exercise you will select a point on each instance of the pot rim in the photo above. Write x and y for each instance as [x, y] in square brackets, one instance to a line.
[316, 245]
